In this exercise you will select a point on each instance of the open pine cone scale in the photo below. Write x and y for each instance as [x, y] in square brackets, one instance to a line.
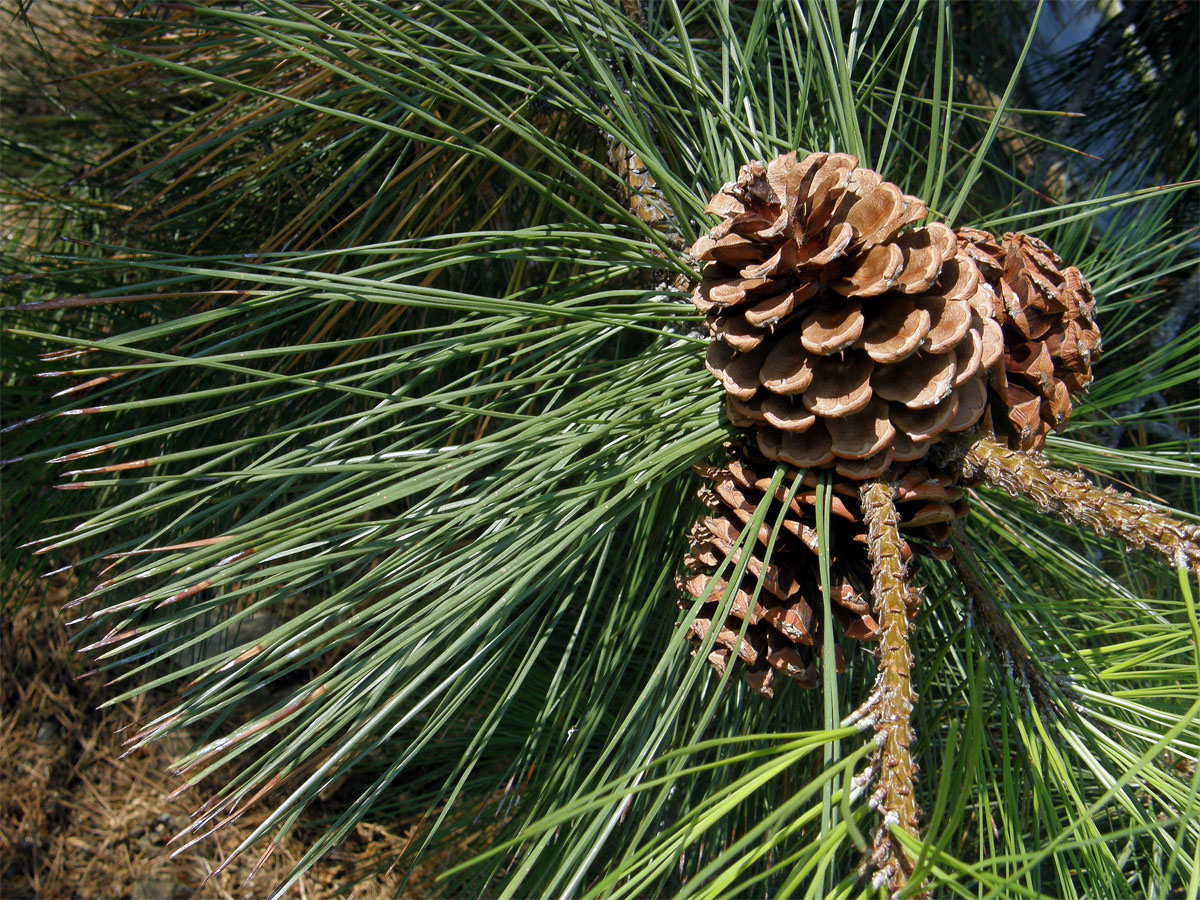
[785, 621]
[847, 337]
[850, 342]
[840, 340]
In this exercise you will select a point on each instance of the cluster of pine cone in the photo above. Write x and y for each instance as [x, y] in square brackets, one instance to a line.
[849, 340]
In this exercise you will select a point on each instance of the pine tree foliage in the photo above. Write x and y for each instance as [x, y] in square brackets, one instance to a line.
[410, 371]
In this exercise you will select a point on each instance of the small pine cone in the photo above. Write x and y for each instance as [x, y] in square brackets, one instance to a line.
[784, 624]
[1050, 335]
[646, 200]
[841, 340]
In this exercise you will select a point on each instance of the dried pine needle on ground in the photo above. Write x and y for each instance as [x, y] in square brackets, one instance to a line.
[78, 822]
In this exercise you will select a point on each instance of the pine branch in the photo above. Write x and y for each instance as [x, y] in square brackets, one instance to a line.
[891, 703]
[1168, 331]
[1070, 495]
[999, 632]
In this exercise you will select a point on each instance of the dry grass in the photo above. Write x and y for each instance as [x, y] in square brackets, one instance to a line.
[77, 822]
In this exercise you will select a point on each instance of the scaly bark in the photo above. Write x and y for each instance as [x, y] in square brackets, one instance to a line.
[1073, 497]
[890, 708]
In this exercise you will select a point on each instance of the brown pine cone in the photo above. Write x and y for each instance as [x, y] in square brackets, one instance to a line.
[840, 339]
[784, 625]
[983, 248]
[1050, 335]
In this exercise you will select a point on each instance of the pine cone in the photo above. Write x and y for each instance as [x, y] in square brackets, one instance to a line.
[1050, 335]
[841, 340]
[984, 251]
[784, 625]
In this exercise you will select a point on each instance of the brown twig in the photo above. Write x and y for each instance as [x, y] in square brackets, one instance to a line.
[1073, 497]
[889, 709]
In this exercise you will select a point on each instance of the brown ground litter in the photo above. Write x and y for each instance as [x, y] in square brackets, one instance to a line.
[76, 822]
